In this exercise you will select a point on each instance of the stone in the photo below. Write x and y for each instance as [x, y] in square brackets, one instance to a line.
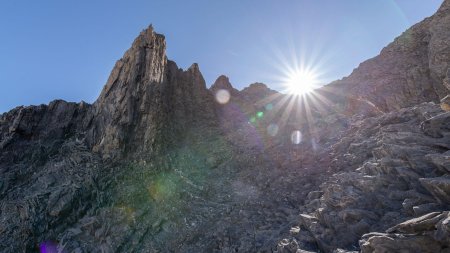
[428, 233]
[445, 103]
[424, 223]
[439, 187]
[314, 195]
[434, 126]
[441, 161]
[376, 242]
[426, 208]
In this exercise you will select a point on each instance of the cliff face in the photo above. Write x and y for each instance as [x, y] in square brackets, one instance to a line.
[146, 100]
[161, 163]
[59, 162]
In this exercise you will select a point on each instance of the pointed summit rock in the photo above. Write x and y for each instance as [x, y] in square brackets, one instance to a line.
[143, 63]
[256, 91]
[223, 91]
[222, 82]
[144, 98]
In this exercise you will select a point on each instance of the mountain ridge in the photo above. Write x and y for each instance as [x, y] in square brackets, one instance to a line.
[160, 162]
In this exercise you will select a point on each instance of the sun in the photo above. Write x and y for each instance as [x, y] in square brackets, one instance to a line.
[301, 82]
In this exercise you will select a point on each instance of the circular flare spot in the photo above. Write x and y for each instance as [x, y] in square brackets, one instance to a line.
[296, 137]
[272, 129]
[222, 96]
[314, 144]
[48, 247]
[269, 106]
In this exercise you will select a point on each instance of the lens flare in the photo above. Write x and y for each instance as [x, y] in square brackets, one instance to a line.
[296, 137]
[272, 129]
[163, 188]
[222, 96]
[269, 106]
[301, 82]
[48, 247]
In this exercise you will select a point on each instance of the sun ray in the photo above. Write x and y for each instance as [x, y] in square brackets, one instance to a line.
[268, 99]
[287, 112]
[310, 120]
[320, 102]
[278, 106]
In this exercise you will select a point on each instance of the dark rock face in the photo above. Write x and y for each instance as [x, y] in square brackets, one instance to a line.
[160, 163]
[146, 100]
[47, 172]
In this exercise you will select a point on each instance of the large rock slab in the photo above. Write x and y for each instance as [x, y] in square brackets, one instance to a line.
[439, 187]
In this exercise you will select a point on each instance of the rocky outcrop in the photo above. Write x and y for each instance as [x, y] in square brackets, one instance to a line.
[388, 170]
[30, 133]
[47, 172]
[223, 83]
[146, 100]
[428, 233]
[256, 91]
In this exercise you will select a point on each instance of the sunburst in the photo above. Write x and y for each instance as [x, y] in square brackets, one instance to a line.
[301, 82]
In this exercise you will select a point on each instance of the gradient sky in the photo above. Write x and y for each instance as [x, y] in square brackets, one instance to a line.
[66, 49]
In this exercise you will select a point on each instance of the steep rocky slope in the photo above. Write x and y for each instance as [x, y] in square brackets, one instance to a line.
[390, 188]
[160, 163]
[407, 72]
[388, 170]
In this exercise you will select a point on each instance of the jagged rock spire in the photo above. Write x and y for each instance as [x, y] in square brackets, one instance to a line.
[222, 82]
[145, 95]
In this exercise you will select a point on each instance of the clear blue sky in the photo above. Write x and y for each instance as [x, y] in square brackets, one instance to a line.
[65, 49]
